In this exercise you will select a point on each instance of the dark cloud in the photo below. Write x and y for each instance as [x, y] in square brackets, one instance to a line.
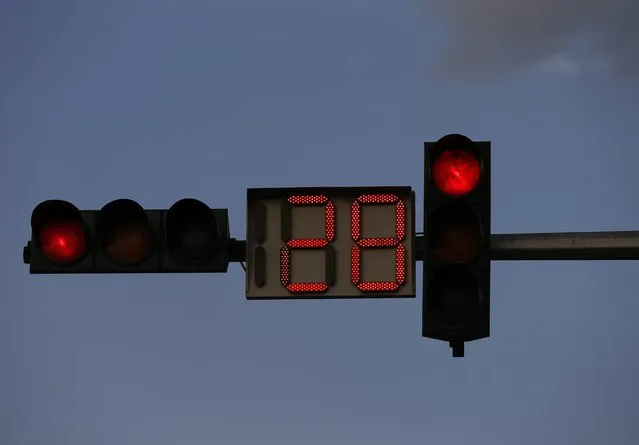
[503, 36]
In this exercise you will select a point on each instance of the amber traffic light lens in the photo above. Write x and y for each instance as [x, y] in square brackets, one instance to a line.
[455, 234]
[63, 242]
[124, 233]
[455, 301]
[456, 172]
[129, 244]
[191, 231]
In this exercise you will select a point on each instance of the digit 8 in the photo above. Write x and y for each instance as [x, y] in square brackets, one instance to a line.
[394, 242]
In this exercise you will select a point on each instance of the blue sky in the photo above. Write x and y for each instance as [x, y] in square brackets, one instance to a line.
[157, 101]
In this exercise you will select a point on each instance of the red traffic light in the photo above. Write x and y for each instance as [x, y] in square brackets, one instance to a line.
[59, 232]
[456, 172]
[63, 242]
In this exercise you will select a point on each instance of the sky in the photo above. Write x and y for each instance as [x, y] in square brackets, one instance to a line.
[163, 100]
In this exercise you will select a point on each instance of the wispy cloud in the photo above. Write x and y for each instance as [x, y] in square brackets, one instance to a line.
[488, 37]
[560, 64]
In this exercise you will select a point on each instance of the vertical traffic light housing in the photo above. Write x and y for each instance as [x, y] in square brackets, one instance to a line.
[456, 290]
[123, 237]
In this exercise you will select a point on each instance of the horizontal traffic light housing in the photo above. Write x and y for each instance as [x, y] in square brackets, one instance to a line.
[123, 237]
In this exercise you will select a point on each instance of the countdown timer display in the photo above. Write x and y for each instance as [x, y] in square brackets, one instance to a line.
[337, 242]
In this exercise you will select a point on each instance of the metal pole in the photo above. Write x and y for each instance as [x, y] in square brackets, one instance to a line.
[576, 246]
[592, 246]
[237, 250]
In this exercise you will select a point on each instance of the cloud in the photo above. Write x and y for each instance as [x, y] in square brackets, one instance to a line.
[499, 37]
[560, 64]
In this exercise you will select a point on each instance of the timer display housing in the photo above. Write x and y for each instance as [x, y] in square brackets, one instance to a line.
[330, 242]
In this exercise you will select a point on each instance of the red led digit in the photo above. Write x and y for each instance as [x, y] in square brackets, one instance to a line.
[307, 243]
[383, 242]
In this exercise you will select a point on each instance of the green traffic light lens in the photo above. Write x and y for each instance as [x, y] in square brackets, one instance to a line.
[455, 301]
[193, 244]
[191, 232]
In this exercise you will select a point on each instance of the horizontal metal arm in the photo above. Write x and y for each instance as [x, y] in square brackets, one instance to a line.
[575, 246]
[566, 246]
[237, 250]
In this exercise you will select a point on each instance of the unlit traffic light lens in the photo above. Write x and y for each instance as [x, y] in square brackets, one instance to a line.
[455, 301]
[63, 242]
[455, 234]
[130, 244]
[456, 172]
[191, 231]
[124, 233]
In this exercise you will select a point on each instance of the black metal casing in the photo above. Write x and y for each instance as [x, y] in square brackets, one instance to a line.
[95, 261]
[479, 268]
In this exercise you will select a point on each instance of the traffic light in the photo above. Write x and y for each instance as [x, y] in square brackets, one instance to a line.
[123, 237]
[456, 288]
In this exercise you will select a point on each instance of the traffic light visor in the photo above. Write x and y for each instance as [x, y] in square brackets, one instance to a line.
[123, 232]
[192, 232]
[456, 172]
[59, 232]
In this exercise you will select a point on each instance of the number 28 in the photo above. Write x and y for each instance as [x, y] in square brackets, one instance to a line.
[359, 243]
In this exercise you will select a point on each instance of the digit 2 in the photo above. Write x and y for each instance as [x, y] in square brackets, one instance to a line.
[291, 244]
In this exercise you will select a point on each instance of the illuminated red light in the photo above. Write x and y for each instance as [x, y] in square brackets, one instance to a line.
[456, 172]
[63, 242]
